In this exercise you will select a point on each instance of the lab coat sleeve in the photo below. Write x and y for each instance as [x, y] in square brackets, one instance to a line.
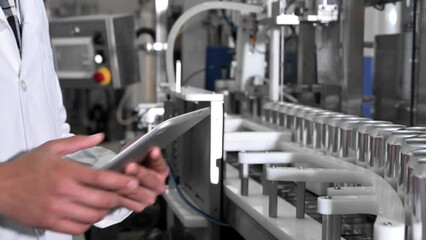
[64, 127]
[91, 156]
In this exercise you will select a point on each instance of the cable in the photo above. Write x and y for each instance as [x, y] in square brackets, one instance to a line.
[195, 73]
[231, 25]
[192, 206]
[120, 110]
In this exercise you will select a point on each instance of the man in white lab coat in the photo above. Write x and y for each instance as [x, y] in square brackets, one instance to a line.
[43, 196]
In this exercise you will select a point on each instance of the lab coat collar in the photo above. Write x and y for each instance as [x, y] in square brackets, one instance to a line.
[2, 18]
[30, 34]
[28, 12]
[12, 50]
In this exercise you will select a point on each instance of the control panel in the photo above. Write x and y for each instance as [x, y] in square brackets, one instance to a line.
[95, 51]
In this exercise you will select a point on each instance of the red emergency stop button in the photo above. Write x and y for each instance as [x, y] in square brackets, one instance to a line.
[103, 76]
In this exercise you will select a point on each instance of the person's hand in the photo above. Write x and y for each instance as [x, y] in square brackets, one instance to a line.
[41, 189]
[152, 175]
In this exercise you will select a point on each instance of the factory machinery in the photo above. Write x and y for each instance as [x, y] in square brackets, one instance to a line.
[298, 172]
[279, 158]
[292, 170]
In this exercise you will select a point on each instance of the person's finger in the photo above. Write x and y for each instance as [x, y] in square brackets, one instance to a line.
[92, 197]
[77, 212]
[107, 180]
[143, 195]
[75, 143]
[147, 177]
[133, 205]
[69, 226]
[154, 160]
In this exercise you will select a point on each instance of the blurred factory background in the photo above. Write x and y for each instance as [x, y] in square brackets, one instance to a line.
[317, 112]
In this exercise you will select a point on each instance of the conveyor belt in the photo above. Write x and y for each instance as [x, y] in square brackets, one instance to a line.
[354, 226]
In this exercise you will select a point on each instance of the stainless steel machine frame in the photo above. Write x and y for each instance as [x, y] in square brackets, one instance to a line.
[197, 156]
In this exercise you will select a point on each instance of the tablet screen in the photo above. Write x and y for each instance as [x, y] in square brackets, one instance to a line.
[161, 136]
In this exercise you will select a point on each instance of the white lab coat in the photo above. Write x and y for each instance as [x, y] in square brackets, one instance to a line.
[31, 109]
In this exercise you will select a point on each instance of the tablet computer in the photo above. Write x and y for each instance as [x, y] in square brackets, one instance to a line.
[162, 135]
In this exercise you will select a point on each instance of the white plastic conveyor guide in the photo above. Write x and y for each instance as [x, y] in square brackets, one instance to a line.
[375, 196]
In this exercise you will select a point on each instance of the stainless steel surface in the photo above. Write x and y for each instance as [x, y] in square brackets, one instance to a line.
[339, 59]
[387, 79]
[352, 27]
[419, 100]
[192, 155]
[161, 28]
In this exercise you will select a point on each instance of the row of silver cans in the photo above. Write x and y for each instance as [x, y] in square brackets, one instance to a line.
[359, 140]
[415, 202]
[396, 152]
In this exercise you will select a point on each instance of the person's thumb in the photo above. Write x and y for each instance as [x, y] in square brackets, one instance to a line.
[76, 143]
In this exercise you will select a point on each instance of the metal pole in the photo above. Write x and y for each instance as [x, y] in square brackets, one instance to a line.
[265, 182]
[331, 227]
[300, 200]
[244, 179]
[414, 75]
[273, 199]
[282, 60]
